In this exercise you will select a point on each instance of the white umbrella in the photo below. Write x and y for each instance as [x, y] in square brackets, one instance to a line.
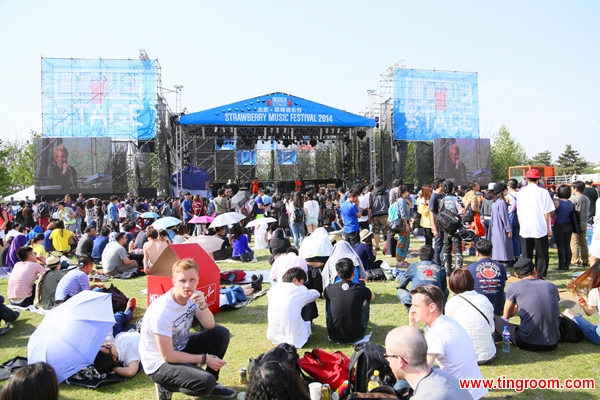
[227, 219]
[260, 221]
[208, 243]
[71, 334]
[165, 222]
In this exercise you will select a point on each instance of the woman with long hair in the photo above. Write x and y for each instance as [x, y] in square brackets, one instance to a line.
[60, 237]
[423, 209]
[500, 228]
[311, 211]
[587, 283]
[90, 213]
[562, 228]
[404, 236]
[239, 242]
[297, 224]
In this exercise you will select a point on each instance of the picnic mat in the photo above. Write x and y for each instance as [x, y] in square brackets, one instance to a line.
[266, 274]
[90, 378]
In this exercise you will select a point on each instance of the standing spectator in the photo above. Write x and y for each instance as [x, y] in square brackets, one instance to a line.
[536, 302]
[221, 203]
[513, 186]
[311, 210]
[490, 276]
[296, 212]
[452, 241]
[534, 208]
[188, 211]
[113, 214]
[378, 213]
[426, 215]
[90, 213]
[500, 232]
[591, 193]
[43, 211]
[563, 229]
[434, 207]
[474, 312]
[349, 212]
[66, 215]
[579, 247]
[404, 206]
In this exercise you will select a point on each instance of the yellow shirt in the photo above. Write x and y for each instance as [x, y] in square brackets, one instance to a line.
[61, 241]
[39, 250]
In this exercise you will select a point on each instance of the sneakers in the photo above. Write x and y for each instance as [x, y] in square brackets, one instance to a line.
[222, 392]
[131, 304]
[162, 393]
[257, 282]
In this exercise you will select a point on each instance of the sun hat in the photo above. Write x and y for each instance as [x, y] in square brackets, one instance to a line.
[52, 261]
[365, 234]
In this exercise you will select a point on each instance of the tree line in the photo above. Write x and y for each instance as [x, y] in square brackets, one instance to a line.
[16, 165]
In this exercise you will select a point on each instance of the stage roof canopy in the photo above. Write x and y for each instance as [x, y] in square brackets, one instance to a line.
[276, 110]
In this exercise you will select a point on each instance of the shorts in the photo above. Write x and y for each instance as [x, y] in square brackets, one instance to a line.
[380, 224]
[312, 221]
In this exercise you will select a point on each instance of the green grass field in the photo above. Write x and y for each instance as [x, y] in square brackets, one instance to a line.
[248, 328]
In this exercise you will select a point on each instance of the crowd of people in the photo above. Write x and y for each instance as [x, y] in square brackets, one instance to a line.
[323, 243]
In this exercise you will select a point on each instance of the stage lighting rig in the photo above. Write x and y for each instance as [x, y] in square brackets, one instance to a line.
[361, 134]
[313, 142]
[287, 142]
[220, 141]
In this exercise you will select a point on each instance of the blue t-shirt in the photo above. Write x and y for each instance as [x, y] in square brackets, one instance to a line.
[47, 241]
[99, 245]
[348, 211]
[490, 278]
[563, 212]
[421, 272]
[187, 208]
[258, 201]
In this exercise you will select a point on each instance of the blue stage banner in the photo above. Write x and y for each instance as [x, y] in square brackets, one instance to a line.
[99, 98]
[228, 144]
[435, 104]
[276, 109]
[286, 157]
[246, 157]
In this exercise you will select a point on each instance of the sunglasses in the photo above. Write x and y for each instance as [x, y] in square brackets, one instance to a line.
[395, 356]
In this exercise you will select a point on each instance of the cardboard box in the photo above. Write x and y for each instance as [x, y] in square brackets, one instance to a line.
[160, 275]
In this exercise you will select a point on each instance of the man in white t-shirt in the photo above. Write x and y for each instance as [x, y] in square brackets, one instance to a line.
[364, 203]
[447, 341]
[286, 300]
[533, 211]
[170, 354]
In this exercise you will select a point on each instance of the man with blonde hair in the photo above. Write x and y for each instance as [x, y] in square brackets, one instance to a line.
[170, 354]
[60, 172]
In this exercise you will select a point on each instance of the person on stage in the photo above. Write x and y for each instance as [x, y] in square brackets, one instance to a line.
[60, 172]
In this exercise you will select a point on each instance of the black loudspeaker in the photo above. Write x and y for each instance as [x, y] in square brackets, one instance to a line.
[147, 193]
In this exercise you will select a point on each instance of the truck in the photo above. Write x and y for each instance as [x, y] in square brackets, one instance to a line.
[549, 177]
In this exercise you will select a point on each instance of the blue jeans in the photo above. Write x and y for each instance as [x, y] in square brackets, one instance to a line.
[587, 328]
[438, 244]
[298, 232]
[121, 318]
[247, 257]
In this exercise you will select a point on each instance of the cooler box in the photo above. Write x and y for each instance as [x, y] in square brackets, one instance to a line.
[161, 275]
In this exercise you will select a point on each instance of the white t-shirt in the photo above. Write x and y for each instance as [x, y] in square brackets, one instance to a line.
[284, 313]
[532, 203]
[164, 317]
[480, 331]
[593, 300]
[455, 351]
[127, 344]
[364, 203]
[311, 208]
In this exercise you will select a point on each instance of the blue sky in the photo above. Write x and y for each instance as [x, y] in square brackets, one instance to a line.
[537, 60]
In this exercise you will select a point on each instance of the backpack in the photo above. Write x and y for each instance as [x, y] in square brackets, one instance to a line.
[367, 358]
[447, 219]
[298, 215]
[235, 275]
[44, 210]
[469, 215]
[119, 300]
[286, 354]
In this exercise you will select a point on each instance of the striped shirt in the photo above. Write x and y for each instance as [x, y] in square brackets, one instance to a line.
[22, 279]
[74, 282]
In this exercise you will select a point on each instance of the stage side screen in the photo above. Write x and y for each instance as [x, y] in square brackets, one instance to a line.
[463, 160]
[99, 98]
[435, 104]
[72, 165]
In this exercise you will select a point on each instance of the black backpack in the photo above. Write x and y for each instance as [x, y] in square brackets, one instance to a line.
[298, 215]
[367, 358]
[447, 220]
[286, 354]
[44, 210]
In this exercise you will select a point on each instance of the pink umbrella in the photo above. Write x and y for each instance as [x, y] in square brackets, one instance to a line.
[201, 220]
